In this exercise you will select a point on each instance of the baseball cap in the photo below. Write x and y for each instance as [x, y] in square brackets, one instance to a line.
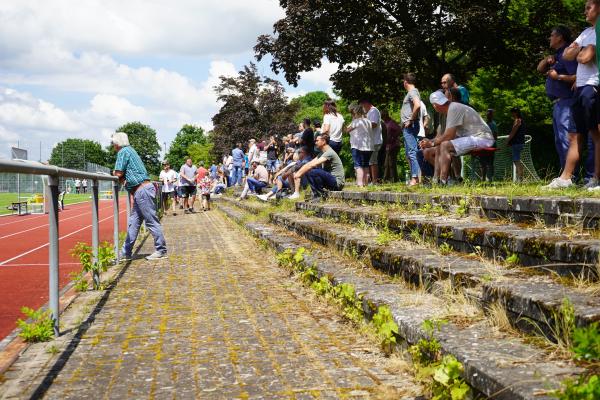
[438, 97]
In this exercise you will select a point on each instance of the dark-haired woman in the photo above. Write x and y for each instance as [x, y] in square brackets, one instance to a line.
[333, 124]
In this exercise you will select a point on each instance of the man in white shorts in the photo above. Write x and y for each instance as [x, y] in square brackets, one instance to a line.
[465, 131]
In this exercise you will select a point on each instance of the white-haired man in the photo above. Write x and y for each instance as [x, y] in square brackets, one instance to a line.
[130, 170]
[465, 131]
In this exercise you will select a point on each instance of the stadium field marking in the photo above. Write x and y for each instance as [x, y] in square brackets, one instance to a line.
[46, 244]
[36, 216]
[38, 265]
[44, 225]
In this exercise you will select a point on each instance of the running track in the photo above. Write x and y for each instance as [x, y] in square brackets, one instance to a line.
[24, 254]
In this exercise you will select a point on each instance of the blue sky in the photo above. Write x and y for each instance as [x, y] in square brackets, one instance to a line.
[81, 69]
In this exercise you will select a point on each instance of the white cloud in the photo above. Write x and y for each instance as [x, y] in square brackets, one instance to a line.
[320, 77]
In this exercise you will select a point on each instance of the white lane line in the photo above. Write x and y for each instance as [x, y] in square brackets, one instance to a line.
[25, 219]
[61, 220]
[38, 265]
[61, 238]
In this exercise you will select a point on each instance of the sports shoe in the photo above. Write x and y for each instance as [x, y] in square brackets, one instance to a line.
[124, 257]
[558, 183]
[592, 183]
[294, 196]
[157, 255]
[263, 197]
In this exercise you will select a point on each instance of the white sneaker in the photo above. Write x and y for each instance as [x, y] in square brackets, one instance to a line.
[558, 183]
[157, 255]
[294, 196]
[592, 183]
[263, 197]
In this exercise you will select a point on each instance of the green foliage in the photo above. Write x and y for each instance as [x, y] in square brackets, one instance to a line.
[585, 388]
[80, 283]
[83, 252]
[445, 249]
[41, 327]
[386, 236]
[345, 295]
[179, 149]
[74, 153]
[202, 153]
[143, 139]
[385, 326]
[309, 105]
[463, 208]
[512, 259]
[586, 343]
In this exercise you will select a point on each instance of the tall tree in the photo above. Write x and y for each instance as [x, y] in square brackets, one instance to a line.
[309, 105]
[143, 139]
[253, 107]
[178, 150]
[74, 153]
[373, 41]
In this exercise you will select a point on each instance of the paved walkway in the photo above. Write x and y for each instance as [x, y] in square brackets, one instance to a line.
[217, 319]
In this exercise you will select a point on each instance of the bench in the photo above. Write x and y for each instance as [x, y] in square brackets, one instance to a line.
[486, 151]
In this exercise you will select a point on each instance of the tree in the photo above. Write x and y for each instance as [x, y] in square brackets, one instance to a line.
[310, 105]
[74, 153]
[202, 152]
[178, 150]
[143, 139]
[374, 41]
[253, 107]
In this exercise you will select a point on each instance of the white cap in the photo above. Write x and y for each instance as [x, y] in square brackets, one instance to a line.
[438, 97]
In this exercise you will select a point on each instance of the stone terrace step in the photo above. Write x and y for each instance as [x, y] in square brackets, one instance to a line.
[535, 247]
[495, 364]
[537, 298]
[552, 210]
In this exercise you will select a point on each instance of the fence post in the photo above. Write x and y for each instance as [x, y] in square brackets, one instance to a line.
[95, 230]
[52, 194]
[128, 202]
[115, 193]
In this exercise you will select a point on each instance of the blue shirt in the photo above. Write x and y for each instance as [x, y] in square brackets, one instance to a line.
[238, 157]
[130, 163]
[561, 89]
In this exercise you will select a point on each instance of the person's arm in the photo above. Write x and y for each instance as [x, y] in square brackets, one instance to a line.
[309, 165]
[571, 52]
[120, 175]
[325, 128]
[415, 112]
[449, 134]
[514, 130]
[545, 64]
[552, 74]
[587, 55]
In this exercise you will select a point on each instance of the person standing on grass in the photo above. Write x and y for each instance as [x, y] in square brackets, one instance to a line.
[168, 177]
[487, 161]
[361, 143]
[187, 181]
[238, 161]
[516, 141]
[333, 124]
[410, 118]
[130, 170]
[374, 116]
[77, 185]
[272, 157]
[585, 102]
[84, 184]
[392, 147]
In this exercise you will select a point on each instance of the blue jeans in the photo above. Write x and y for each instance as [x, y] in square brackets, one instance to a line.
[563, 124]
[319, 179]
[255, 185]
[143, 210]
[411, 146]
[237, 174]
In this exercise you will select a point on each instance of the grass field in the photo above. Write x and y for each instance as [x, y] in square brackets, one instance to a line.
[7, 198]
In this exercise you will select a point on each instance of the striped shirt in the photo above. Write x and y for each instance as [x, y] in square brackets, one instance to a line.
[130, 163]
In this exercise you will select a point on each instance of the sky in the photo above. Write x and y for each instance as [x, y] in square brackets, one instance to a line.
[80, 69]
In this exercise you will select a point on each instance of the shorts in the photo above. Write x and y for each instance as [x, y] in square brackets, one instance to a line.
[206, 196]
[361, 158]
[375, 155]
[585, 109]
[166, 195]
[272, 165]
[516, 151]
[187, 191]
[465, 145]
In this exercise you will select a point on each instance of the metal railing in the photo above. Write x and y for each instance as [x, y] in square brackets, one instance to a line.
[54, 174]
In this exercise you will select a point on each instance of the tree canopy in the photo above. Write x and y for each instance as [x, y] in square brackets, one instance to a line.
[374, 41]
[253, 107]
[178, 150]
[143, 139]
[74, 153]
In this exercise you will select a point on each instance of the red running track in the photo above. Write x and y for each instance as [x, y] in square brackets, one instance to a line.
[24, 254]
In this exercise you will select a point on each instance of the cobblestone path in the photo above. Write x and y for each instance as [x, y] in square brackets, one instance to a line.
[218, 319]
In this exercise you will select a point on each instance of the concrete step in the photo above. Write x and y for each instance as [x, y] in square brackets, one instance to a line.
[561, 211]
[531, 301]
[496, 364]
[550, 250]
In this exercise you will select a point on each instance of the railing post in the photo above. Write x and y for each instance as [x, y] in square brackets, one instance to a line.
[115, 193]
[95, 230]
[128, 204]
[53, 287]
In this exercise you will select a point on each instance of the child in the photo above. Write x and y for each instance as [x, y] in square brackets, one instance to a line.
[204, 186]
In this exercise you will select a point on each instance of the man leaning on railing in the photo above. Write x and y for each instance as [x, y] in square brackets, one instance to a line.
[130, 170]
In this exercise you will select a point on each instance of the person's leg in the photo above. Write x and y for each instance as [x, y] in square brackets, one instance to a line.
[562, 124]
[144, 198]
[315, 182]
[595, 134]
[251, 182]
[573, 154]
[411, 145]
[393, 154]
[133, 227]
[373, 164]
[259, 186]
[444, 160]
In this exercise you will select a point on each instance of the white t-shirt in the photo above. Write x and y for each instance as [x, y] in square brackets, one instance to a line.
[336, 124]
[168, 178]
[375, 116]
[421, 117]
[467, 121]
[361, 137]
[587, 74]
[253, 154]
